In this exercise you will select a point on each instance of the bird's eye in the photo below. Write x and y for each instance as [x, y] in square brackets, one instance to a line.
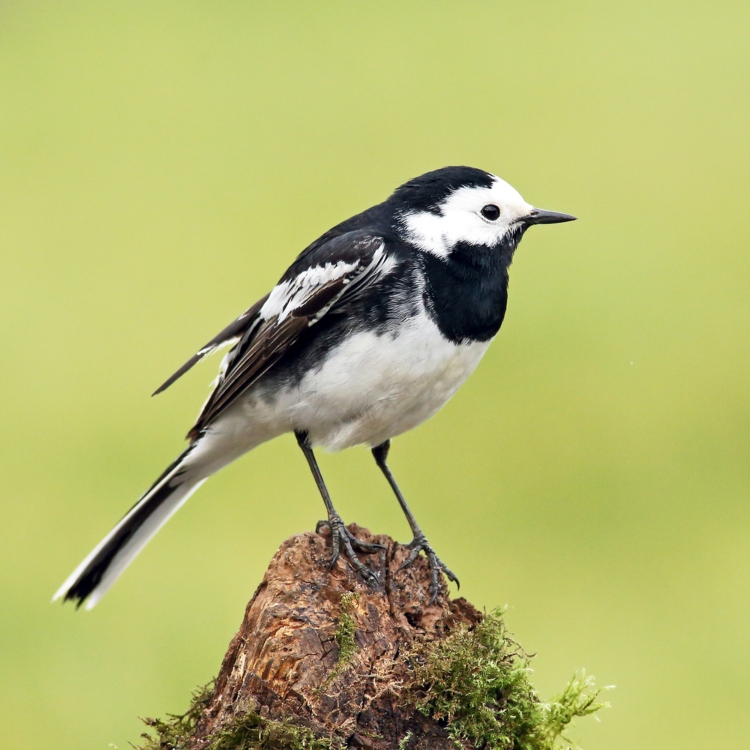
[490, 212]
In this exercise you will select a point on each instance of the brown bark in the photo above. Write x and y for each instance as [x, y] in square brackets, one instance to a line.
[284, 662]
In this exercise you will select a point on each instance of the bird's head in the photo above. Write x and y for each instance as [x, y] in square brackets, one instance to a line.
[463, 206]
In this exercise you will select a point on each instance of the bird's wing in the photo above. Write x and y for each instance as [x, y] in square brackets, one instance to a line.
[229, 336]
[319, 281]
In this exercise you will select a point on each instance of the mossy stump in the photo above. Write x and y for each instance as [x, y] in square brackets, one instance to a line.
[321, 649]
[323, 662]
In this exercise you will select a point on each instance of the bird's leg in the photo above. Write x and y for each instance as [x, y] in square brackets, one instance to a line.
[342, 540]
[419, 543]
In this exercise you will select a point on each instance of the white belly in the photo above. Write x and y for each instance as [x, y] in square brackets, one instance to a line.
[369, 389]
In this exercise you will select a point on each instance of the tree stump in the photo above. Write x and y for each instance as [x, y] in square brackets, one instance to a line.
[321, 650]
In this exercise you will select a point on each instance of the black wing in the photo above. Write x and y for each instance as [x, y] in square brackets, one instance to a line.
[316, 283]
[230, 335]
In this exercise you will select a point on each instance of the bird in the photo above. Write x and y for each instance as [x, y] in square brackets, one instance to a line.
[369, 332]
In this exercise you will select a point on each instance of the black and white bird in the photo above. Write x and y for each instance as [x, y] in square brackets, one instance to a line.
[369, 333]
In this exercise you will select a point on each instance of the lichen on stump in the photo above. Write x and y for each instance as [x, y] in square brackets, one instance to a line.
[323, 661]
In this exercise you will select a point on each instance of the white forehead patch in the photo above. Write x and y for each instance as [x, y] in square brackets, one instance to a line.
[460, 219]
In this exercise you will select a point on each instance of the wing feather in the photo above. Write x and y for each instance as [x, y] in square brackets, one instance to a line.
[353, 261]
[230, 335]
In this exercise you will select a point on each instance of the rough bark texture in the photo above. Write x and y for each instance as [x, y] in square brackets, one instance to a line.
[284, 663]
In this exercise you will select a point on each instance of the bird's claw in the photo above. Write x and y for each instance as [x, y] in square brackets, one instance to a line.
[342, 540]
[437, 566]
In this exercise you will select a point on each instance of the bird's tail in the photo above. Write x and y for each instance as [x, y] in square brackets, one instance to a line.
[93, 577]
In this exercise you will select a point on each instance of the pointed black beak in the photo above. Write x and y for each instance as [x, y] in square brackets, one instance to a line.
[540, 216]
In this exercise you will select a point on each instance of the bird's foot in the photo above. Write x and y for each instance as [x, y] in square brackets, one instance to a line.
[343, 541]
[437, 566]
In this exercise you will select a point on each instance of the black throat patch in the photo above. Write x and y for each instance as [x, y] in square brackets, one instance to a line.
[466, 294]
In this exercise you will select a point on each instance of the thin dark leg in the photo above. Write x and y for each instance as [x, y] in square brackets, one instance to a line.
[419, 543]
[342, 540]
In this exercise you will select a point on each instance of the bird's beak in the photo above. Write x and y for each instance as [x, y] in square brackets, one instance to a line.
[540, 216]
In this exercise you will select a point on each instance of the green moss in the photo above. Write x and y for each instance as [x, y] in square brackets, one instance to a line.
[478, 682]
[173, 732]
[247, 731]
[345, 632]
[404, 741]
[578, 699]
[344, 637]
[475, 680]
[251, 732]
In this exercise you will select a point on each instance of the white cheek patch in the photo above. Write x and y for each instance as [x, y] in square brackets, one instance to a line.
[459, 219]
[425, 230]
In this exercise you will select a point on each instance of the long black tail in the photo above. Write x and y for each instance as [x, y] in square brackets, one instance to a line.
[93, 577]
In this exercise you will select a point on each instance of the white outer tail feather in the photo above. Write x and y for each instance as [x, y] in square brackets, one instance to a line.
[136, 543]
[204, 457]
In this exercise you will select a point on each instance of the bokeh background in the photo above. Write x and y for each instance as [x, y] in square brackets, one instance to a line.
[161, 163]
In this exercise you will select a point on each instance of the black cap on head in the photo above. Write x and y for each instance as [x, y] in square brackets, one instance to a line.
[428, 191]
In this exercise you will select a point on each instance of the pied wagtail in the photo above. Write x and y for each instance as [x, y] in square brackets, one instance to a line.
[368, 333]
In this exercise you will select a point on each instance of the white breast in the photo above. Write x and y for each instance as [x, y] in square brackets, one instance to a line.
[369, 389]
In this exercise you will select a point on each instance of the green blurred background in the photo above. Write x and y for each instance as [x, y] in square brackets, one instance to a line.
[162, 162]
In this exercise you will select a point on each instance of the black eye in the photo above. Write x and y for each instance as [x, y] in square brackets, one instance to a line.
[490, 212]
